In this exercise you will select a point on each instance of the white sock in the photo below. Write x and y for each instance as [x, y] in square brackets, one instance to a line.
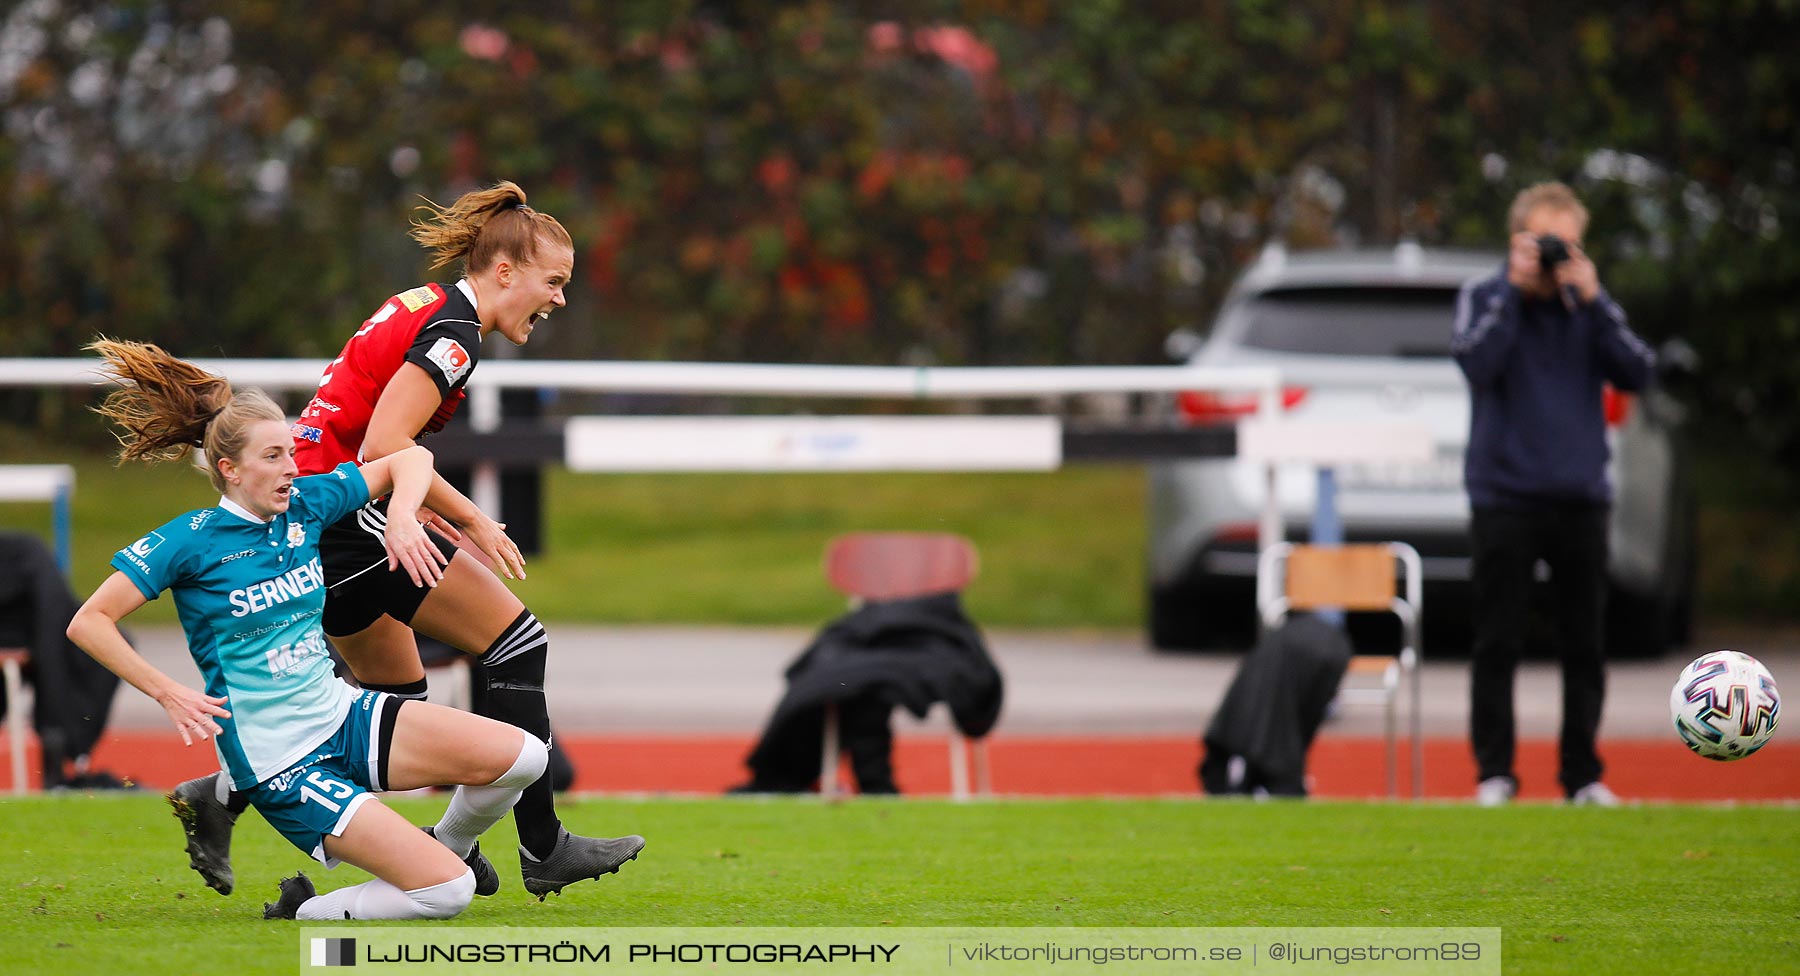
[473, 809]
[378, 899]
[222, 787]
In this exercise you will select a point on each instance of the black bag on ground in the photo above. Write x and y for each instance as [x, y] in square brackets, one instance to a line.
[909, 653]
[1274, 706]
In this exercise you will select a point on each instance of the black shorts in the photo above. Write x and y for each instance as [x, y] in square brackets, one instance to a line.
[359, 587]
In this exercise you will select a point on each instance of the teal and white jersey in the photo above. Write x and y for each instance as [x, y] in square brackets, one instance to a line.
[250, 594]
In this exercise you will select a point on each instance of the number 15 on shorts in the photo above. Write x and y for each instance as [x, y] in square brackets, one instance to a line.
[333, 791]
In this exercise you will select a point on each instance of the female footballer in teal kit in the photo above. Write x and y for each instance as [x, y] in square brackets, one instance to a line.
[308, 748]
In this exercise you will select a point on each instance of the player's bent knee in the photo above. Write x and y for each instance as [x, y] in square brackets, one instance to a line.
[445, 900]
[533, 759]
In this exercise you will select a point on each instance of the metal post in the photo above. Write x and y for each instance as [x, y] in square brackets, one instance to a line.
[1269, 529]
[1327, 529]
[484, 476]
[63, 519]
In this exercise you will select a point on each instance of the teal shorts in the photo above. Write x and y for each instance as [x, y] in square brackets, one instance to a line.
[317, 797]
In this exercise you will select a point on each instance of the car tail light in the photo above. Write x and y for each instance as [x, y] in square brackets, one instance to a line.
[1201, 407]
[1235, 532]
[1617, 406]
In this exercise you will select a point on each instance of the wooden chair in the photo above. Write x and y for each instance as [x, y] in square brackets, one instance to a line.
[896, 566]
[12, 664]
[1357, 578]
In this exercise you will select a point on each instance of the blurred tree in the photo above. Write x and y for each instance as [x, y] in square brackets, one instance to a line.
[953, 181]
[1677, 124]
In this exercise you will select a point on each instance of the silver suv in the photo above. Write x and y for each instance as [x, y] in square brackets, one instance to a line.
[1365, 334]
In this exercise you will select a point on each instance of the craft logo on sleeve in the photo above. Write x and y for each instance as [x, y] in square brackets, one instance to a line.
[450, 358]
[334, 952]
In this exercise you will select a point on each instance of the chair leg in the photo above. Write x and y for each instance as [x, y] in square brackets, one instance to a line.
[1418, 735]
[828, 767]
[1390, 681]
[15, 723]
[1393, 745]
[959, 767]
[984, 780]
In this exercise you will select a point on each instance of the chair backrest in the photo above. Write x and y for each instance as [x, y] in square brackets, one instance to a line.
[1349, 577]
[1355, 577]
[899, 565]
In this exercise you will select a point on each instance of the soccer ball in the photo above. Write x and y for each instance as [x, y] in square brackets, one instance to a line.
[1725, 705]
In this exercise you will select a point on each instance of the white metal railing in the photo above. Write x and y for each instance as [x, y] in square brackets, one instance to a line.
[747, 379]
[701, 379]
[741, 379]
[843, 443]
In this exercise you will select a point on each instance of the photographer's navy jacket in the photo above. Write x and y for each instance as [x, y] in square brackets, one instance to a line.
[1537, 428]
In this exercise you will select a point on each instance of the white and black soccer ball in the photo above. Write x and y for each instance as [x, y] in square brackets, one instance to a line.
[1725, 705]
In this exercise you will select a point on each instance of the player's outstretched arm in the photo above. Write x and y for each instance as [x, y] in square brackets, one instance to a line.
[95, 629]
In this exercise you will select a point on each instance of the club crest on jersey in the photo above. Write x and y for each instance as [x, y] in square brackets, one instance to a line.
[417, 298]
[296, 536]
[450, 358]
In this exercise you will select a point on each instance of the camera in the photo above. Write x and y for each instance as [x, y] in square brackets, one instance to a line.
[1551, 252]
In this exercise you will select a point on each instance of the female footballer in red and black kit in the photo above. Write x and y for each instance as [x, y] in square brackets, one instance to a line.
[399, 377]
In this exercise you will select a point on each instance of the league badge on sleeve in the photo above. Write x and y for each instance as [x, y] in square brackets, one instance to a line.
[140, 550]
[418, 298]
[450, 358]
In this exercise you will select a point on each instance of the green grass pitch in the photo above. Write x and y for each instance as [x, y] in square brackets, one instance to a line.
[99, 884]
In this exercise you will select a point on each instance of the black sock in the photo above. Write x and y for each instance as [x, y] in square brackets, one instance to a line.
[515, 695]
[235, 802]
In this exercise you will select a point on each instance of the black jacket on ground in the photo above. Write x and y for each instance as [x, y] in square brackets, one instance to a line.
[73, 692]
[909, 653]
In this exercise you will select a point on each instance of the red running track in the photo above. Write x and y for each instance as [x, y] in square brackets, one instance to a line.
[1073, 766]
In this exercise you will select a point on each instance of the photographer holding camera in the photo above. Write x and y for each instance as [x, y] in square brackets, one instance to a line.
[1537, 342]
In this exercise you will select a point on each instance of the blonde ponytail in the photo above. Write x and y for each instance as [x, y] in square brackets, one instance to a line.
[169, 406]
[482, 225]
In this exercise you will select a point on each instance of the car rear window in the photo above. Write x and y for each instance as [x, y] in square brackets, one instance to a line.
[1403, 322]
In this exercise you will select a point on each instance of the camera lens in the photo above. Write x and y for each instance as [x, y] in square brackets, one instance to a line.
[1551, 251]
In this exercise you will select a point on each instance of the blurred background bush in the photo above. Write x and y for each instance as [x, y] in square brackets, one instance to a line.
[987, 182]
